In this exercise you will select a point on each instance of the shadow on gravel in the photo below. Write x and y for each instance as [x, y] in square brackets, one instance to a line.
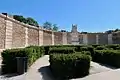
[46, 73]
[10, 75]
[108, 66]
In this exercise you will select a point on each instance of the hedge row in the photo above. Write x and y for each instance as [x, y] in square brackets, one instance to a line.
[79, 48]
[9, 57]
[62, 50]
[65, 66]
[110, 57]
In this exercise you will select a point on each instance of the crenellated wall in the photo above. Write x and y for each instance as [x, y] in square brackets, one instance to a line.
[14, 34]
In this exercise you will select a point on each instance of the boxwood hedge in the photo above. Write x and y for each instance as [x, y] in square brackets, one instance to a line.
[62, 50]
[9, 57]
[110, 57]
[65, 66]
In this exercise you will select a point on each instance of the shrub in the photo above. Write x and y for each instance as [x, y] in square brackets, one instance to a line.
[65, 66]
[62, 50]
[100, 48]
[36, 52]
[113, 46]
[9, 57]
[86, 52]
[9, 60]
[110, 57]
[84, 49]
[95, 45]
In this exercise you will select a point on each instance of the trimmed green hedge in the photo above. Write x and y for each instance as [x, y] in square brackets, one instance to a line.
[65, 66]
[9, 57]
[100, 48]
[62, 50]
[113, 46]
[9, 61]
[110, 57]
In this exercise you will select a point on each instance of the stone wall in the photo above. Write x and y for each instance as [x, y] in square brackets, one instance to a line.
[68, 37]
[103, 38]
[18, 35]
[14, 34]
[33, 36]
[2, 33]
[80, 39]
[91, 38]
[47, 37]
[116, 38]
[58, 39]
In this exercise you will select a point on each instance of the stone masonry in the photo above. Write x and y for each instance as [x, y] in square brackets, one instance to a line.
[14, 34]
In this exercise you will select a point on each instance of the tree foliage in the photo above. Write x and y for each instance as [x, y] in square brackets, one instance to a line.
[47, 25]
[50, 26]
[55, 27]
[28, 20]
[110, 31]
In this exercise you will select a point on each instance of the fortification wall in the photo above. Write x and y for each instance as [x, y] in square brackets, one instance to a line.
[14, 34]
[116, 38]
[47, 37]
[2, 33]
[18, 35]
[103, 38]
[91, 38]
[58, 38]
[33, 36]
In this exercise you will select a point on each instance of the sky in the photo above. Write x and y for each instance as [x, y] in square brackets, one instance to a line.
[89, 15]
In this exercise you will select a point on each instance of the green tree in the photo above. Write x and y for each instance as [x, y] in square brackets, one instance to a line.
[55, 27]
[28, 20]
[116, 30]
[31, 21]
[47, 25]
[19, 18]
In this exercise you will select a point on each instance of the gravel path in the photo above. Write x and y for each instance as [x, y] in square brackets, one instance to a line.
[40, 71]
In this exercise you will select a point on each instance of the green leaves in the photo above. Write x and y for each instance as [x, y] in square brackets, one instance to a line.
[9, 57]
[69, 65]
[50, 26]
[28, 20]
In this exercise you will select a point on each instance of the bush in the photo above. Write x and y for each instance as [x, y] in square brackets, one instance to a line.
[110, 57]
[113, 46]
[84, 49]
[65, 66]
[86, 52]
[100, 48]
[62, 50]
[95, 45]
[36, 52]
[9, 57]
[9, 60]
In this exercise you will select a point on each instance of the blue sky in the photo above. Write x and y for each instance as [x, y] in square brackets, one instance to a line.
[89, 15]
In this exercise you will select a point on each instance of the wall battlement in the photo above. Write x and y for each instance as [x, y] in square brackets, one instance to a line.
[14, 34]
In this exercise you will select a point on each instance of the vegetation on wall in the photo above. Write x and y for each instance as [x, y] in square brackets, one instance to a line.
[110, 31]
[50, 26]
[28, 20]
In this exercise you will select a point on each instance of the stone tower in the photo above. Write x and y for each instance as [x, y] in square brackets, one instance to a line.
[74, 35]
[74, 28]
